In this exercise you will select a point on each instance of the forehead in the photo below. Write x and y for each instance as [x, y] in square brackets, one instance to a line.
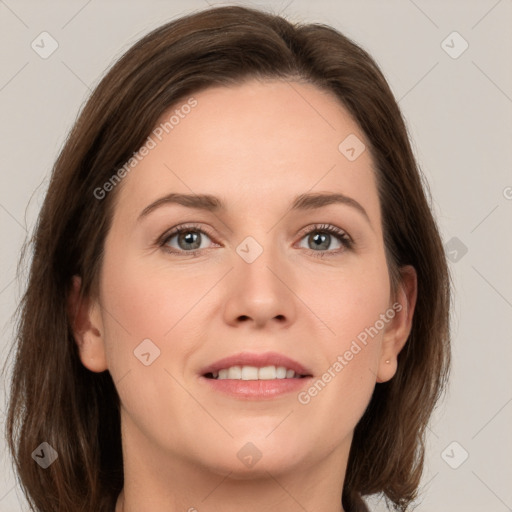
[254, 145]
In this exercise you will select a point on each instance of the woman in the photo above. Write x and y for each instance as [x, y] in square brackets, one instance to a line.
[293, 358]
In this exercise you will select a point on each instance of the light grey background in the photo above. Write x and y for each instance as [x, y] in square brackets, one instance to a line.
[458, 111]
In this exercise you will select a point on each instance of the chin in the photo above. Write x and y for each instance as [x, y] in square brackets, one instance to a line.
[250, 457]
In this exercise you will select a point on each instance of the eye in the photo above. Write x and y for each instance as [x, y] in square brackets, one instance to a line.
[320, 237]
[189, 239]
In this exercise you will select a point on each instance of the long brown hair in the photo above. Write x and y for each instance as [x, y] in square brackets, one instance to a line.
[55, 399]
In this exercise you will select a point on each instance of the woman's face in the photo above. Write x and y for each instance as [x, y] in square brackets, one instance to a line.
[257, 279]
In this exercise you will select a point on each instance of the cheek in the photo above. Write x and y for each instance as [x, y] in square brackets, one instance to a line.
[141, 305]
[149, 302]
[138, 305]
[348, 302]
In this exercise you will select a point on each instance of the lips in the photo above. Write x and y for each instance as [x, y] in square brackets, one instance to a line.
[256, 360]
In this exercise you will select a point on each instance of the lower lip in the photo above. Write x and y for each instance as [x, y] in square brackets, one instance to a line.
[257, 389]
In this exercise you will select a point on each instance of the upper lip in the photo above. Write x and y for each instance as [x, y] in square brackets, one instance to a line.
[258, 360]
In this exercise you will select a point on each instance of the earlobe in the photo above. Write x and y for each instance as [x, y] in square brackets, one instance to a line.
[398, 331]
[85, 321]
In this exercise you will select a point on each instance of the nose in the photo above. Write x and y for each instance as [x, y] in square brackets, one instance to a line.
[260, 292]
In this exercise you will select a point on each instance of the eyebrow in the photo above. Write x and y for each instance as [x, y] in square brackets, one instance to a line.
[207, 202]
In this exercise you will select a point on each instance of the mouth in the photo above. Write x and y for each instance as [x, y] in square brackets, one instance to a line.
[254, 373]
[256, 376]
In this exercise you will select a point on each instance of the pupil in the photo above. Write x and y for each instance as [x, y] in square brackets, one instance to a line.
[321, 238]
[189, 238]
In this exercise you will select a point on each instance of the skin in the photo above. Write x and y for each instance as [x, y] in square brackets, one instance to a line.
[256, 146]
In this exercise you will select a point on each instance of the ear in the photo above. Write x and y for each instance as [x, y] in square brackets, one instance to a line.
[86, 323]
[399, 328]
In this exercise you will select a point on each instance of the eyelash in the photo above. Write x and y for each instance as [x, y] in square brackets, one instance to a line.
[345, 240]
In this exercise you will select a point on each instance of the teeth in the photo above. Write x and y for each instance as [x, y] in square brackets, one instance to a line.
[255, 373]
[249, 373]
[281, 372]
[267, 373]
[235, 372]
